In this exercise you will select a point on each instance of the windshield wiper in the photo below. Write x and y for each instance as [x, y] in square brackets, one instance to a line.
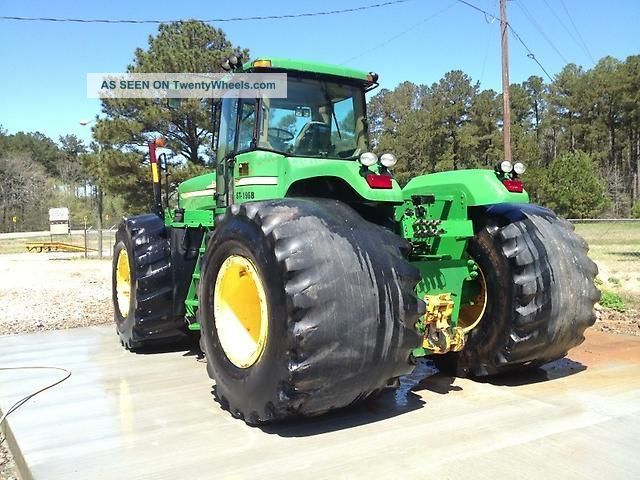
[325, 90]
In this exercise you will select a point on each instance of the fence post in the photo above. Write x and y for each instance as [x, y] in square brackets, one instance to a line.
[86, 252]
[100, 197]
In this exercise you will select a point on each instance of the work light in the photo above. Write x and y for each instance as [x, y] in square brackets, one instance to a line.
[519, 168]
[368, 159]
[506, 166]
[388, 160]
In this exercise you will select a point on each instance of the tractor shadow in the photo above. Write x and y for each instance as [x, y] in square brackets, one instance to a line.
[443, 383]
[561, 368]
[404, 399]
[388, 404]
[426, 376]
[190, 345]
[391, 402]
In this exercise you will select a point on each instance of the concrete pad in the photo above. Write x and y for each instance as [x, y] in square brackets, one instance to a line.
[135, 416]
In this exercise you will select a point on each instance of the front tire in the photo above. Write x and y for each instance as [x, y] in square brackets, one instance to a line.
[337, 310]
[541, 293]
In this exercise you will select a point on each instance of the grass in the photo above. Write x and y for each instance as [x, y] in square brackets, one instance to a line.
[615, 247]
[617, 233]
[616, 244]
[18, 245]
[612, 300]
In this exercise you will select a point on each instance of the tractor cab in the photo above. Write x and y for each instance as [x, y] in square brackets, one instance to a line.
[323, 115]
[319, 118]
[275, 147]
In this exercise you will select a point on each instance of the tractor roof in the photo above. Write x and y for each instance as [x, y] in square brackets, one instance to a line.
[266, 63]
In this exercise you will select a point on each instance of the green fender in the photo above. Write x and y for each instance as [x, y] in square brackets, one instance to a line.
[479, 187]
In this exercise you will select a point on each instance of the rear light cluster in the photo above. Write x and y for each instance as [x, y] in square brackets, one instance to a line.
[375, 180]
[508, 172]
[514, 186]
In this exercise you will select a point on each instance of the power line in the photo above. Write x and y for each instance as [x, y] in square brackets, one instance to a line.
[524, 9]
[398, 35]
[586, 48]
[486, 50]
[486, 56]
[212, 20]
[475, 7]
[566, 29]
[530, 54]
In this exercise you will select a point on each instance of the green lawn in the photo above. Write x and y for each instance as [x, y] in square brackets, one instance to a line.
[616, 249]
[18, 245]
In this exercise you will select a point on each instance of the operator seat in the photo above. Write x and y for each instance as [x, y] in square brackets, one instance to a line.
[315, 136]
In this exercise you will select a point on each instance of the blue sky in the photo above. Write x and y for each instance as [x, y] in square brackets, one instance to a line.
[43, 81]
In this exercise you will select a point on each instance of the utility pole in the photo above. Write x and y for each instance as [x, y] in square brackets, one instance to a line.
[506, 101]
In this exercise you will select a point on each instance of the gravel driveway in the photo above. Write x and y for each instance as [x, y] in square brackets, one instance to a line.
[48, 291]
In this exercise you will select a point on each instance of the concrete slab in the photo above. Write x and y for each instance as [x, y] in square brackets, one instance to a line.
[137, 416]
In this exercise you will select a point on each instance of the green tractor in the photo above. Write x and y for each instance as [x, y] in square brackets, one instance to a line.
[315, 281]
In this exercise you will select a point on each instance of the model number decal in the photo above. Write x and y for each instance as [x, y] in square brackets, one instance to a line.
[245, 195]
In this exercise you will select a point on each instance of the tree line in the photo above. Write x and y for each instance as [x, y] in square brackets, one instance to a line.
[38, 174]
[578, 135]
[97, 182]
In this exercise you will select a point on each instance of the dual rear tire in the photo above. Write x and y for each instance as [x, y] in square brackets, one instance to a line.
[540, 292]
[304, 307]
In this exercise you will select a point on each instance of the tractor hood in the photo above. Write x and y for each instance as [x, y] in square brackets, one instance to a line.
[264, 175]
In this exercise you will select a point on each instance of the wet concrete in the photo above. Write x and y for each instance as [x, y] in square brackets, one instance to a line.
[136, 416]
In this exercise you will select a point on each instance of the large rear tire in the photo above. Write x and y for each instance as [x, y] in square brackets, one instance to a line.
[541, 292]
[327, 312]
[143, 285]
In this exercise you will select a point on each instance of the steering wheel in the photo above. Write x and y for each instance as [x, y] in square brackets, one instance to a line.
[279, 134]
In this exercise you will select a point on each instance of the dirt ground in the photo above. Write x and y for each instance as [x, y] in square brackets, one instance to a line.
[610, 321]
[7, 465]
[49, 291]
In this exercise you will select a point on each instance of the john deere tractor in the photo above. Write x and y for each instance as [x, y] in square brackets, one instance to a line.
[316, 281]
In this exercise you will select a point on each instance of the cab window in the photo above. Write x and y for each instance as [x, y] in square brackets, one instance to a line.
[227, 135]
[247, 124]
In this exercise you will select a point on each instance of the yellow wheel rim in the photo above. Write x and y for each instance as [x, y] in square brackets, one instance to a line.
[123, 283]
[471, 314]
[240, 311]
